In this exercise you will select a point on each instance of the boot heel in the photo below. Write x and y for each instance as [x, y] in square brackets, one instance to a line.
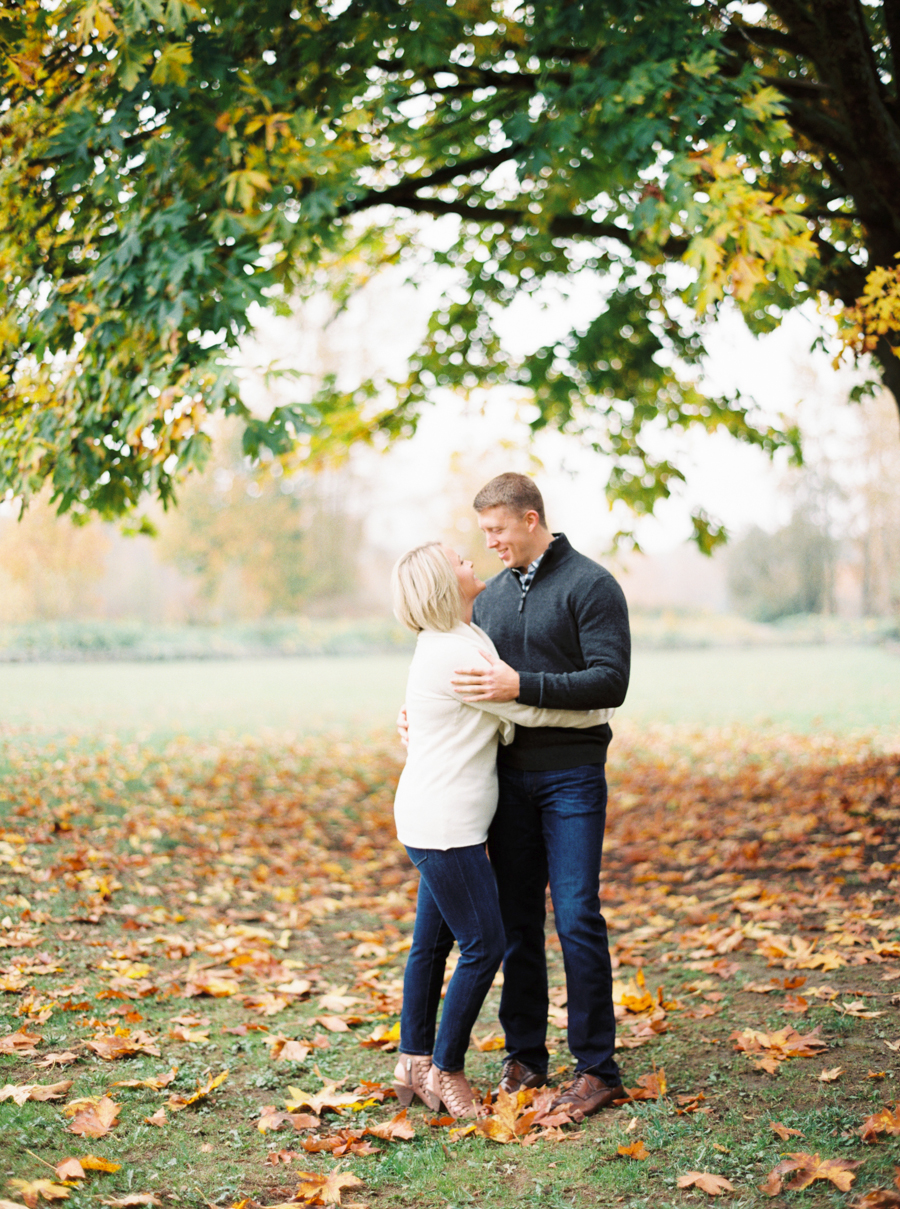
[405, 1093]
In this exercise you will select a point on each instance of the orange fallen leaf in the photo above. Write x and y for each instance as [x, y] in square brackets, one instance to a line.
[509, 1121]
[650, 1087]
[637, 1150]
[60, 1059]
[92, 1118]
[810, 1167]
[399, 1128]
[316, 1189]
[110, 1047]
[706, 1181]
[886, 1120]
[158, 1118]
[31, 1190]
[177, 1102]
[155, 1082]
[784, 1131]
[130, 1199]
[334, 1024]
[70, 1169]
[20, 1042]
[485, 1044]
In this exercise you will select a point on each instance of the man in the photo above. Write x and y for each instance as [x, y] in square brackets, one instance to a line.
[560, 625]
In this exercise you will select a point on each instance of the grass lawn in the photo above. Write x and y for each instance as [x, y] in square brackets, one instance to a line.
[804, 689]
[173, 915]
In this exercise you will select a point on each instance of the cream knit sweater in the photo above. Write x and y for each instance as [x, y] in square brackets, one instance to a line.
[447, 793]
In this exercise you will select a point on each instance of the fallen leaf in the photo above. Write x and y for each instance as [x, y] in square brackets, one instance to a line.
[155, 1082]
[829, 1076]
[31, 1190]
[886, 1120]
[60, 1059]
[650, 1087]
[131, 1198]
[713, 1185]
[810, 1167]
[637, 1150]
[20, 1042]
[93, 1119]
[20, 1092]
[70, 1169]
[315, 1189]
[483, 1044]
[158, 1118]
[784, 1131]
[399, 1128]
[177, 1102]
[334, 1024]
[110, 1047]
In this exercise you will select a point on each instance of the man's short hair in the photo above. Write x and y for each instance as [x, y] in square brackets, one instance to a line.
[517, 492]
[426, 591]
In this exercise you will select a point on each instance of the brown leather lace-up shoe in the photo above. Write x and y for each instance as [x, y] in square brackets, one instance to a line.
[516, 1076]
[585, 1095]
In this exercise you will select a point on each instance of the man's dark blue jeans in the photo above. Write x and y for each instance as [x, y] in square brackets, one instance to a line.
[457, 901]
[549, 827]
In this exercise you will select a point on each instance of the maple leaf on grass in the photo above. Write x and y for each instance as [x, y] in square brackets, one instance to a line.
[177, 1102]
[810, 1167]
[509, 1121]
[880, 1198]
[77, 1169]
[20, 1042]
[60, 1059]
[286, 1049]
[316, 1189]
[399, 1128]
[155, 1082]
[92, 1118]
[158, 1118]
[110, 1047]
[637, 1150]
[20, 1092]
[713, 1185]
[327, 1097]
[483, 1044]
[829, 1076]
[271, 1118]
[130, 1199]
[886, 1120]
[31, 1190]
[784, 1131]
[651, 1086]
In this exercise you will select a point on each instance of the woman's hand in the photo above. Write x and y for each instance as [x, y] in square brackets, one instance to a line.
[497, 682]
[403, 726]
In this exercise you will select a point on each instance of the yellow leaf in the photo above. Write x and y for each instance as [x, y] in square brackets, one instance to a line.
[171, 66]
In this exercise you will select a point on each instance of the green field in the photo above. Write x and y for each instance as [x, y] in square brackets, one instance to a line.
[832, 688]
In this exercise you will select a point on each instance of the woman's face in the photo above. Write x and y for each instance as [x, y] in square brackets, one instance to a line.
[469, 584]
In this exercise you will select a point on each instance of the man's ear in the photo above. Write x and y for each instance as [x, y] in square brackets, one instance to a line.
[532, 520]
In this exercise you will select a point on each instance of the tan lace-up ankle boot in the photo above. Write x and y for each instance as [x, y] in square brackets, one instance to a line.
[410, 1076]
[453, 1091]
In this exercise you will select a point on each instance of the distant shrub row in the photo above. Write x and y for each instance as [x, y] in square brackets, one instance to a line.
[652, 630]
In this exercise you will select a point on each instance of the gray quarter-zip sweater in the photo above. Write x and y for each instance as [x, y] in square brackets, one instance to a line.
[568, 638]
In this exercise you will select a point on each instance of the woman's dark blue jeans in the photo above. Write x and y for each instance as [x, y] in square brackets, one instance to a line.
[457, 901]
[549, 828]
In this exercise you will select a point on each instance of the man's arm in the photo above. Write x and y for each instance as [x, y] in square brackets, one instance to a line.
[604, 637]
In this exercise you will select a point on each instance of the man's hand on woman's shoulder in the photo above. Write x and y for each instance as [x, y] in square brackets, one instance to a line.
[496, 682]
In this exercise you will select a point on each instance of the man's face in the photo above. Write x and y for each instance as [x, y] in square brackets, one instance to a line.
[513, 537]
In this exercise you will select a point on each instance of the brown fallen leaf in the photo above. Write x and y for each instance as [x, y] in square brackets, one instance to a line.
[60, 1059]
[177, 1102]
[334, 1024]
[77, 1169]
[158, 1118]
[637, 1150]
[271, 1118]
[886, 1120]
[713, 1185]
[70, 1169]
[399, 1128]
[155, 1082]
[327, 1097]
[810, 1167]
[110, 1047]
[880, 1198]
[509, 1121]
[387, 1038]
[829, 1076]
[92, 1118]
[784, 1131]
[317, 1189]
[650, 1087]
[483, 1044]
[20, 1042]
[47, 1190]
[286, 1049]
[20, 1092]
[131, 1198]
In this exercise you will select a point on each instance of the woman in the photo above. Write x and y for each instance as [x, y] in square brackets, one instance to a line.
[445, 800]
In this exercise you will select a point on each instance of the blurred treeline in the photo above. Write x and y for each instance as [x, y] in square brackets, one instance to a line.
[839, 553]
[244, 543]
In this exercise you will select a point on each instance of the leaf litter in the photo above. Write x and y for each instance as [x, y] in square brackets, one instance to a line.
[211, 881]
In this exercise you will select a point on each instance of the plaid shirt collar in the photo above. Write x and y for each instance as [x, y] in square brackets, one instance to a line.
[526, 577]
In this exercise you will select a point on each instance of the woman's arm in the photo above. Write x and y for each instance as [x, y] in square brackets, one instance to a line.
[532, 715]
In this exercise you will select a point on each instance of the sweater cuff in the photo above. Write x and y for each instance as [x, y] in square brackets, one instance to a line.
[531, 686]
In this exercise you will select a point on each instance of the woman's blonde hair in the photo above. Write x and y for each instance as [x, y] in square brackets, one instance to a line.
[425, 590]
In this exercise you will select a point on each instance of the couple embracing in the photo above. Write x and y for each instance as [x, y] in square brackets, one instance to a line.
[531, 665]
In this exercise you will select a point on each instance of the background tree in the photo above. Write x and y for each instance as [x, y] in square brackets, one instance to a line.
[167, 163]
